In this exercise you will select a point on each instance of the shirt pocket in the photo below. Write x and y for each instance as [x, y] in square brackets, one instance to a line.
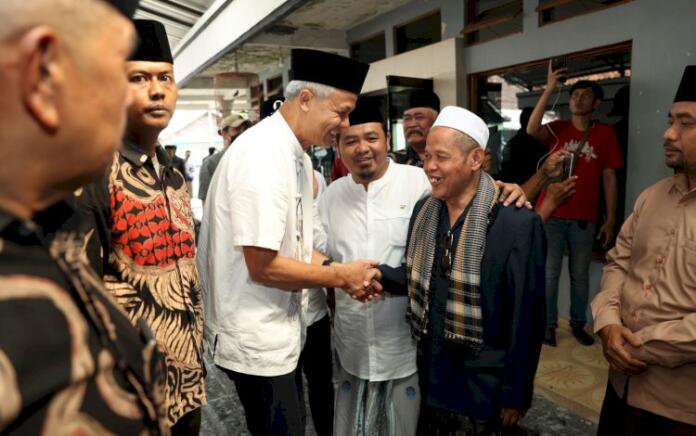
[393, 226]
[687, 263]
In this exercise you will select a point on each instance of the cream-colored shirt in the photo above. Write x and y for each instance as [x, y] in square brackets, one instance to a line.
[649, 286]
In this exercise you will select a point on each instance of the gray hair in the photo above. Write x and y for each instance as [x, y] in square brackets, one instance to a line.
[463, 141]
[296, 86]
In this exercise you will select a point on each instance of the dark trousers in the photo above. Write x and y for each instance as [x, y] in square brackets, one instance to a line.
[618, 418]
[188, 425]
[273, 406]
[317, 365]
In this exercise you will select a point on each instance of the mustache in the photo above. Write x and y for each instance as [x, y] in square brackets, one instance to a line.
[668, 146]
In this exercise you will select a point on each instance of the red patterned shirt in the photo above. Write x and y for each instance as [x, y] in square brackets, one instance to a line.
[144, 246]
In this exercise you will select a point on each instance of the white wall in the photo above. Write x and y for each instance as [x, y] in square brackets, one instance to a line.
[436, 61]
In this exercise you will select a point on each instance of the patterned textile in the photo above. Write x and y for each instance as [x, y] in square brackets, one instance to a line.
[463, 323]
[146, 231]
[70, 362]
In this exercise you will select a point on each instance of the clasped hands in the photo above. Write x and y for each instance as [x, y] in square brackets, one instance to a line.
[361, 279]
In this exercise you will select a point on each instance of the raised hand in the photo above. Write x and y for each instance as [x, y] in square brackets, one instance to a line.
[553, 166]
[553, 75]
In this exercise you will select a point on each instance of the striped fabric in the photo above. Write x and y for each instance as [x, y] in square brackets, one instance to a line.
[463, 323]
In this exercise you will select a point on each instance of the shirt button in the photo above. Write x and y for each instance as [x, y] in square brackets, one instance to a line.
[648, 287]
[659, 260]
[672, 232]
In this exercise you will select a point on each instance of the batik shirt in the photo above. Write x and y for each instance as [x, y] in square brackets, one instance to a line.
[70, 362]
[144, 245]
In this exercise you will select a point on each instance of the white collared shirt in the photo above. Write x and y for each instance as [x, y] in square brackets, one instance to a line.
[253, 201]
[372, 339]
[316, 300]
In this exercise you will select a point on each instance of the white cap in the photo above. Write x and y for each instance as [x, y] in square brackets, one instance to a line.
[465, 121]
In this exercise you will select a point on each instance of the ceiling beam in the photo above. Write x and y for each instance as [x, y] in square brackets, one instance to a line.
[226, 25]
[305, 38]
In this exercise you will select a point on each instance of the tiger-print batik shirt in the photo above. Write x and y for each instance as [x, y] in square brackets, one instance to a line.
[145, 247]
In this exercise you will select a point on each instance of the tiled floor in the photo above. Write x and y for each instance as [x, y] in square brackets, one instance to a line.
[572, 375]
[569, 390]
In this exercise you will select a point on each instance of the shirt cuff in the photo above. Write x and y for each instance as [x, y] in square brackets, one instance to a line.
[606, 317]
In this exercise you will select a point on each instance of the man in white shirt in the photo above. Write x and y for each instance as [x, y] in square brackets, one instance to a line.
[256, 246]
[316, 360]
[366, 215]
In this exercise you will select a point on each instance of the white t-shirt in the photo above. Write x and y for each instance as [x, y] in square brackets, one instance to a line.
[254, 200]
[373, 339]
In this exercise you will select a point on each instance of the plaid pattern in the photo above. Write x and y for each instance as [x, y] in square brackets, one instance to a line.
[463, 323]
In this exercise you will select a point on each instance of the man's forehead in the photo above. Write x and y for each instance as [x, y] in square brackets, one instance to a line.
[683, 109]
[418, 110]
[361, 129]
[150, 67]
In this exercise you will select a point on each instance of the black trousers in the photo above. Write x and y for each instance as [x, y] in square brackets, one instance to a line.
[273, 406]
[317, 365]
[188, 425]
[618, 418]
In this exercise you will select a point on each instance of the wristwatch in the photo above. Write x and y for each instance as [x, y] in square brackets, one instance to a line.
[327, 262]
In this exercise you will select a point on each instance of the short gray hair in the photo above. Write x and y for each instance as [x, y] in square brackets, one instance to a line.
[463, 141]
[296, 86]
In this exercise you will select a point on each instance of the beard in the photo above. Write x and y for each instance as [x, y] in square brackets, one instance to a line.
[677, 163]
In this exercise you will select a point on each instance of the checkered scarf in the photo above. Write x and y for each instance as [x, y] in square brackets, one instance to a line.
[463, 323]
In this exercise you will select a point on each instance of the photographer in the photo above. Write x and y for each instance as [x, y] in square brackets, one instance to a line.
[595, 155]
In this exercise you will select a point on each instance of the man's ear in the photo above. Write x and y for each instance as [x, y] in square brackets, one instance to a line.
[42, 76]
[305, 99]
[388, 140]
[476, 157]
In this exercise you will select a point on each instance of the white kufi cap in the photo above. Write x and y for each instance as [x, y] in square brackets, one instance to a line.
[465, 121]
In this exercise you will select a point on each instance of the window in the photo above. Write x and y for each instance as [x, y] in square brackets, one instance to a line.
[369, 50]
[418, 33]
[556, 10]
[490, 19]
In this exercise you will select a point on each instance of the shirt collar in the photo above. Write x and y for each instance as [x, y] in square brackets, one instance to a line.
[375, 184]
[288, 135]
[134, 154]
[43, 221]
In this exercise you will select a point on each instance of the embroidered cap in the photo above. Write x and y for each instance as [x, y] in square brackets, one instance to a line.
[465, 121]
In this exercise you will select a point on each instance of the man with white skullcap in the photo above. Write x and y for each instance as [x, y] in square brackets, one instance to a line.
[474, 275]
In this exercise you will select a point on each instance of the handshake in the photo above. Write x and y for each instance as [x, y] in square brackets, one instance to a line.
[360, 279]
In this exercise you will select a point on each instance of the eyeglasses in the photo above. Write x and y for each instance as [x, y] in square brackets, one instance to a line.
[445, 243]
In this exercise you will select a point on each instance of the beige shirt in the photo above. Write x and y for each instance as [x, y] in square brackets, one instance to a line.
[649, 286]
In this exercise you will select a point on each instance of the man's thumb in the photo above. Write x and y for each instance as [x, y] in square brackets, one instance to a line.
[632, 339]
